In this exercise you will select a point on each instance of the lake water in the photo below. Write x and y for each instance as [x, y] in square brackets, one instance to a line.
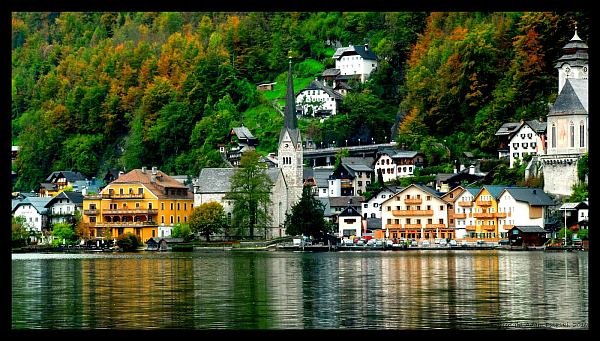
[479, 289]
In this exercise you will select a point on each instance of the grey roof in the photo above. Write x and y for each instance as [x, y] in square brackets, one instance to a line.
[580, 86]
[533, 196]
[214, 180]
[321, 176]
[69, 175]
[575, 52]
[38, 203]
[358, 164]
[326, 206]
[243, 133]
[495, 190]
[508, 128]
[75, 197]
[316, 85]
[568, 206]
[290, 121]
[14, 203]
[93, 187]
[365, 53]
[568, 102]
[537, 126]
[443, 176]
[308, 172]
[427, 189]
[404, 154]
[530, 229]
[343, 201]
[331, 72]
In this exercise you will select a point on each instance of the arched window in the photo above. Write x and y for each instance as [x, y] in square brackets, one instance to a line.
[571, 134]
[581, 134]
[553, 138]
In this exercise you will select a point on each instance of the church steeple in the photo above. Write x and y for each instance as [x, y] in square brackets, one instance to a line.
[573, 64]
[290, 120]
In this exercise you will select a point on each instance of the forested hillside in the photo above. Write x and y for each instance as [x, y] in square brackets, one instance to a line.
[92, 91]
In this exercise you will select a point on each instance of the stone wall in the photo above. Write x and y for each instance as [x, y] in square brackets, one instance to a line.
[560, 173]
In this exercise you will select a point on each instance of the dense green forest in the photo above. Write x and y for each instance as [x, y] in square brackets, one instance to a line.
[99, 90]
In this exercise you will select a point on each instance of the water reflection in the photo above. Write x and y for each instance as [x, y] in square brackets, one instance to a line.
[286, 290]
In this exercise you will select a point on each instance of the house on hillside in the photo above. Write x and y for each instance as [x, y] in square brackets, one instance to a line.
[58, 181]
[356, 61]
[62, 207]
[318, 100]
[397, 163]
[371, 207]
[528, 139]
[34, 212]
[241, 140]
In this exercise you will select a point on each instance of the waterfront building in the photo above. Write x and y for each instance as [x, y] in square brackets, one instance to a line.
[35, 213]
[522, 206]
[450, 197]
[485, 209]
[62, 207]
[464, 221]
[416, 212]
[350, 223]
[371, 207]
[567, 122]
[351, 176]
[147, 203]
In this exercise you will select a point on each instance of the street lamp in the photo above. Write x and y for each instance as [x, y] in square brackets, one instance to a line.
[333, 142]
[346, 143]
[373, 140]
[359, 141]
[321, 144]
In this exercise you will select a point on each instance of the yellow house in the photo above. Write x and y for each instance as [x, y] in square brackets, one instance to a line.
[485, 212]
[147, 203]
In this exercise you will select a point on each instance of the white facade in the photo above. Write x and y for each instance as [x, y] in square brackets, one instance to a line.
[372, 208]
[518, 213]
[34, 219]
[61, 209]
[350, 226]
[463, 213]
[309, 101]
[354, 64]
[390, 170]
[335, 187]
[524, 142]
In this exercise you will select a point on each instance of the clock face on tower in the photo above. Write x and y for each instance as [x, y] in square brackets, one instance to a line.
[286, 145]
[584, 69]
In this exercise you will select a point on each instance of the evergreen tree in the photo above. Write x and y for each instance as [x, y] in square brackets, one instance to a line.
[307, 217]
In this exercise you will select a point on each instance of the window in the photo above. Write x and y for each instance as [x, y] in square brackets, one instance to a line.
[571, 134]
[389, 208]
[162, 206]
[581, 134]
[515, 145]
[92, 219]
[429, 221]
[441, 220]
[375, 204]
[162, 219]
[441, 207]
[524, 144]
[553, 138]
[92, 206]
[172, 206]
[429, 197]
[171, 220]
[365, 205]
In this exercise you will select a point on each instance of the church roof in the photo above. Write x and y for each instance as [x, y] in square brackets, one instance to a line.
[218, 180]
[290, 122]
[568, 102]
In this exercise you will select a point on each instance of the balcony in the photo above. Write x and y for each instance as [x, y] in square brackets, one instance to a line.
[489, 227]
[470, 228]
[125, 224]
[500, 215]
[435, 226]
[413, 201]
[484, 203]
[90, 212]
[508, 227]
[403, 213]
[393, 226]
[460, 215]
[115, 196]
[412, 226]
[483, 215]
[465, 203]
[144, 211]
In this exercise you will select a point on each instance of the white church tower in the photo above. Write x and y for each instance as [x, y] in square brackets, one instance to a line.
[568, 125]
[289, 154]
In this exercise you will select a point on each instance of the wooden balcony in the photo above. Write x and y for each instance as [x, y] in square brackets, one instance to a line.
[412, 226]
[144, 211]
[125, 224]
[470, 228]
[460, 215]
[413, 201]
[393, 226]
[500, 215]
[90, 212]
[483, 215]
[508, 227]
[435, 226]
[404, 213]
[465, 203]
[484, 203]
[489, 227]
[115, 196]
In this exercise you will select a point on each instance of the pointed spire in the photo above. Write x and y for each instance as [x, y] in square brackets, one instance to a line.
[575, 36]
[290, 120]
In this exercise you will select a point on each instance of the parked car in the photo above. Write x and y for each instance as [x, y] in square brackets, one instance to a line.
[425, 243]
[453, 242]
[360, 242]
[443, 242]
[348, 242]
[371, 242]
[389, 243]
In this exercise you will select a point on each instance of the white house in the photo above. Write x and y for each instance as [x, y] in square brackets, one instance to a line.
[394, 163]
[349, 223]
[357, 61]
[522, 206]
[33, 210]
[371, 208]
[318, 100]
[62, 207]
[463, 211]
[416, 212]
[529, 138]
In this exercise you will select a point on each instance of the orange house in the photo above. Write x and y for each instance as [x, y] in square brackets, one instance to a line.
[147, 203]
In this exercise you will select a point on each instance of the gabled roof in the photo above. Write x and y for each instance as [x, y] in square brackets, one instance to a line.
[316, 85]
[218, 180]
[494, 190]
[358, 164]
[243, 133]
[508, 128]
[349, 211]
[70, 176]
[321, 176]
[568, 102]
[75, 197]
[361, 50]
[533, 196]
[331, 72]
[423, 188]
[344, 201]
[538, 126]
[391, 188]
[571, 206]
[39, 203]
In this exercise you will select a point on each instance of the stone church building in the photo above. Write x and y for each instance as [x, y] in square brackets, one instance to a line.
[287, 177]
[567, 123]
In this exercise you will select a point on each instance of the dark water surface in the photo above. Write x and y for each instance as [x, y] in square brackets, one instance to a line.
[492, 289]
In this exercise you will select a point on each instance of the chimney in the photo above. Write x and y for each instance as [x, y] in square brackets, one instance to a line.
[120, 173]
[471, 169]
[154, 170]
[541, 119]
[366, 47]
[534, 191]
[143, 169]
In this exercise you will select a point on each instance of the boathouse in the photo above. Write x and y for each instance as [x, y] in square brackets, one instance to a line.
[527, 236]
